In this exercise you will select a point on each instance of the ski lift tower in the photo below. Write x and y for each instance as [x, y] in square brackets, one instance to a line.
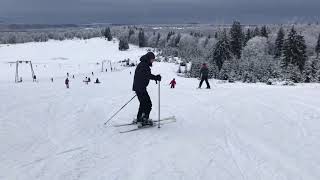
[17, 69]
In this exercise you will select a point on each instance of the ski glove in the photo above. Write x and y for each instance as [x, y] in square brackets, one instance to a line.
[158, 77]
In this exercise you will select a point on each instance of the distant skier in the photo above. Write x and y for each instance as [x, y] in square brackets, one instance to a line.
[92, 73]
[89, 80]
[67, 74]
[173, 83]
[72, 76]
[97, 81]
[204, 74]
[141, 80]
[67, 82]
[34, 78]
[52, 79]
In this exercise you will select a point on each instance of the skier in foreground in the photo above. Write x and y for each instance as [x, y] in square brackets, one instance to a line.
[141, 80]
[204, 74]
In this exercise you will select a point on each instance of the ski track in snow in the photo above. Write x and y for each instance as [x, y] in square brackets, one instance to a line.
[233, 131]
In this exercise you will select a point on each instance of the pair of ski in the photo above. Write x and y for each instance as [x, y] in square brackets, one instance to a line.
[155, 123]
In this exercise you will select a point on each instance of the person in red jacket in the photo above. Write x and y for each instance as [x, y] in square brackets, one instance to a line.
[173, 83]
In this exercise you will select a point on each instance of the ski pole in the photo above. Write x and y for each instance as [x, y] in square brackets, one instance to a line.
[159, 105]
[119, 110]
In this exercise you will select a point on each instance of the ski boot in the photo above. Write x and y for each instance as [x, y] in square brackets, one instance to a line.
[147, 122]
[137, 121]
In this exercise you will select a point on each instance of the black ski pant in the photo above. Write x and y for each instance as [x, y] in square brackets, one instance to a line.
[204, 79]
[145, 105]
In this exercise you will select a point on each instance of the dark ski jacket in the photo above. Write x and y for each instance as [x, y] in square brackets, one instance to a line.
[142, 75]
[204, 72]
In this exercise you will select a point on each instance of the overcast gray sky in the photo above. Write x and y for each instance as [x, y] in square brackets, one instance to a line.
[157, 11]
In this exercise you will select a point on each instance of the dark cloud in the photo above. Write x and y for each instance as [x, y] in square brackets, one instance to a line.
[157, 11]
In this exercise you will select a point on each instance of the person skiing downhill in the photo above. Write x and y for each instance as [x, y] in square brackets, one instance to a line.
[34, 79]
[173, 83]
[66, 82]
[204, 74]
[142, 77]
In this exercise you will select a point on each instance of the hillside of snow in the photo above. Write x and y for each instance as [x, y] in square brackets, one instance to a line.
[231, 132]
[56, 58]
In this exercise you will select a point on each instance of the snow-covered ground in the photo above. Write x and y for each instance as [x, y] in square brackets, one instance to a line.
[56, 58]
[234, 131]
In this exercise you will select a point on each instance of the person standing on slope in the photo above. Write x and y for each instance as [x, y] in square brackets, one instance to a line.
[34, 78]
[173, 83]
[204, 74]
[66, 82]
[142, 77]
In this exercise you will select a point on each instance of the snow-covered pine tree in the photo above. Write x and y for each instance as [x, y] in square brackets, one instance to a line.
[195, 69]
[318, 47]
[213, 70]
[289, 48]
[236, 39]
[174, 40]
[279, 43]
[142, 39]
[302, 52]
[248, 36]
[243, 37]
[256, 63]
[294, 50]
[107, 34]
[177, 40]
[170, 34]
[216, 35]
[188, 48]
[123, 44]
[307, 73]
[222, 51]
[206, 42]
[131, 32]
[226, 69]
[256, 32]
[315, 68]
[158, 39]
[292, 73]
[264, 31]
[152, 41]
[294, 54]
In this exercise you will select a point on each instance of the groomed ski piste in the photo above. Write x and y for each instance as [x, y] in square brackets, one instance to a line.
[231, 132]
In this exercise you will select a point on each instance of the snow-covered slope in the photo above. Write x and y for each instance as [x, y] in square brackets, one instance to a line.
[234, 131]
[56, 58]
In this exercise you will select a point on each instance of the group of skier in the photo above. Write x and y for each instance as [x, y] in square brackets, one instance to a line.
[87, 80]
[141, 80]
